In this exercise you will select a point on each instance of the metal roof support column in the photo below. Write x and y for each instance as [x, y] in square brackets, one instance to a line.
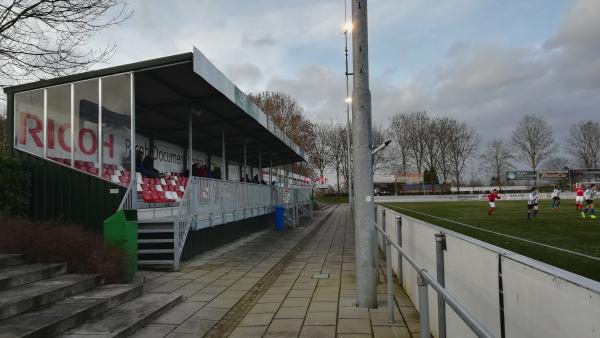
[72, 131]
[101, 130]
[270, 168]
[134, 201]
[45, 125]
[190, 140]
[260, 173]
[244, 172]
[223, 161]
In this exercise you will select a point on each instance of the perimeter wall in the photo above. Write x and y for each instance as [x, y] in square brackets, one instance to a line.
[513, 296]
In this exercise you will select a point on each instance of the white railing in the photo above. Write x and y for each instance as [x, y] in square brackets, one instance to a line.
[466, 197]
[129, 199]
[208, 202]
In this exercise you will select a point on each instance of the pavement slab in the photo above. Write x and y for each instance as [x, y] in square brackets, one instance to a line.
[264, 286]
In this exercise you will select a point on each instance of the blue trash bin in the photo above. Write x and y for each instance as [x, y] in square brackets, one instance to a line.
[279, 217]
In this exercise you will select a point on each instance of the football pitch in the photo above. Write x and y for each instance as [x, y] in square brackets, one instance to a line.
[562, 238]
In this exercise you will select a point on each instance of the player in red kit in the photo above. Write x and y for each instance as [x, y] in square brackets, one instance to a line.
[492, 197]
[579, 190]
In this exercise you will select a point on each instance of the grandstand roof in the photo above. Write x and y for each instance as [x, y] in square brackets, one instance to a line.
[167, 88]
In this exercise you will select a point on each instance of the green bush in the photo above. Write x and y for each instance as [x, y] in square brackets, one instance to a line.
[14, 186]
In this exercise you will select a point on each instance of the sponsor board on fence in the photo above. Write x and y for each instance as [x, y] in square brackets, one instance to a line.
[554, 175]
[521, 175]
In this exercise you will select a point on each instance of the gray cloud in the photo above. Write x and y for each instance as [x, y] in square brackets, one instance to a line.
[490, 86]
[262, 41]
[246, 75]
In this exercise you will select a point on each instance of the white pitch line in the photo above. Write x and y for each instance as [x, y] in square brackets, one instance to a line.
[504, 235]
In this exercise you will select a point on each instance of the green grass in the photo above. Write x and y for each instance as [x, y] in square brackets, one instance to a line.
[333, 199]
[563, 229]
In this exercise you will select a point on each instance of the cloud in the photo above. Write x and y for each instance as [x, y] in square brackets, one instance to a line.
[246, 75]
[489, 85]
[262, 41]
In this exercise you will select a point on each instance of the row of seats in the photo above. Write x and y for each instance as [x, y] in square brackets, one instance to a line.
[168, 189]
[110, 172]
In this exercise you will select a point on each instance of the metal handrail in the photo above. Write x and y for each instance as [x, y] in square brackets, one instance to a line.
[424, 279]
[128, 198]
[206, 196]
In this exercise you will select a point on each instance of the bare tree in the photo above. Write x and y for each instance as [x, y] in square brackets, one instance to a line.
[497, 159]
[342, 134]
[533, 141]
[583, 143]
[443, 130]
[398, 132]
[556, 163]
[41, 38]
[289, 117]
[417, 127]
[431, 145]
[335, 140]
[462, 144]
[317, 153]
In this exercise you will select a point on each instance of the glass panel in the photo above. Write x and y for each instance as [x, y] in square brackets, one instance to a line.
[29, 121]
[116, 128]
[59, 124]
[86, 126]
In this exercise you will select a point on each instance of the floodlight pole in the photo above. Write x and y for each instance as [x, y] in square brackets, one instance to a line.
[366, 268]
[348, 127]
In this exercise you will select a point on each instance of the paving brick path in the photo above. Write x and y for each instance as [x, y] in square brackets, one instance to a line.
[266, 286]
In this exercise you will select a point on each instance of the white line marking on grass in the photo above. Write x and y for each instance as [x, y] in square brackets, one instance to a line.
[501, 234]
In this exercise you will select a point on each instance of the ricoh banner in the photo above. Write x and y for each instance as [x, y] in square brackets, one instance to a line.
[115, 143]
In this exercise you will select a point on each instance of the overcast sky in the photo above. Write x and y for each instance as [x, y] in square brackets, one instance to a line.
[485, 62]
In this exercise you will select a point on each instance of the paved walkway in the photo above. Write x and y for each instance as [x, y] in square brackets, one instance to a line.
[296, 283]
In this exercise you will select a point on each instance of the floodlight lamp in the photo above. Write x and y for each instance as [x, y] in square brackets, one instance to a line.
[347, 27]
[348, 99]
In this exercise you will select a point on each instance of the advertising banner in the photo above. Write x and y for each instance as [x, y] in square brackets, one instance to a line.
[520, 175]
[554, 174]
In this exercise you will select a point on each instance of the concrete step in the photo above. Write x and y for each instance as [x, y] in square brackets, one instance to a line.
[127, 318]
[159, 240]
[69, 312]
[37, 294]
[8, 260]
[155, 262]
[155, 251]
[156, 230]
[24, 274]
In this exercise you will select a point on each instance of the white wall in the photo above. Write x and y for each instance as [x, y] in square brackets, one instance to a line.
[538, 304]
[539, 300]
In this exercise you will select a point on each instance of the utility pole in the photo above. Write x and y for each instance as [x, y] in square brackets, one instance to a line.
[364, 220]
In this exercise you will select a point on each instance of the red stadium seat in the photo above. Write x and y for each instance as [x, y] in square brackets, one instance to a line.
[124, 179]
[147, 196]
[157, 197]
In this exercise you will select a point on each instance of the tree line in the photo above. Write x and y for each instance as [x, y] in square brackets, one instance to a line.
[444, 147]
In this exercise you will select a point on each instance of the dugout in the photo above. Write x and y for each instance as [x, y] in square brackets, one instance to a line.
[78, 134]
